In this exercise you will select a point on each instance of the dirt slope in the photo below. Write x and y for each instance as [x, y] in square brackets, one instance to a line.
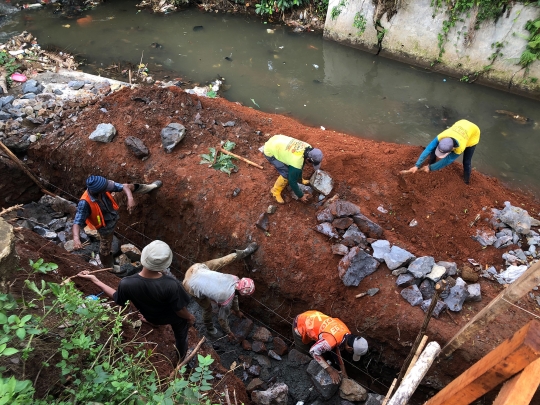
[294, 268]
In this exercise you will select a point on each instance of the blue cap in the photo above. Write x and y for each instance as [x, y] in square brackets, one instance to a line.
[96, 184]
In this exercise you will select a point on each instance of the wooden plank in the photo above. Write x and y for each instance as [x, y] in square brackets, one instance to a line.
[520, 389]
[508, 359]
[516, 290]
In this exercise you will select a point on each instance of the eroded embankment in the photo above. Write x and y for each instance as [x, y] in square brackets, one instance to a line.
[294, 268]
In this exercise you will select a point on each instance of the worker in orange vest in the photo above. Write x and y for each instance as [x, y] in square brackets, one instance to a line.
[98, 209]
[316, 333]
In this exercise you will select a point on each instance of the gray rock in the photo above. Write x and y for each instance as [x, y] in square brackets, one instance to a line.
[171, 136]
[275, 395]
[6, 100]
[450, 282]
[322, 182]
[58, 92]
[298, 358]
[273, 355]
[406, 280]
[457, 296]
[136, 146]
[369, 227]
[353, 235]
[412, 295]
[321, 380]
[262, 334]
[516, 218]
[427, 288]
[229, 124]
[437, 273]
[62, 236]
[339, 249]
[303, 189]
[343, 223]
[28, 96]
[421, 266]
[520, 255]
[76, 84]
[255, 370]
[398, 271]
[380, 248]
[440, 306]
[103, 133]
[474, 291]
[4, 116]
[503, 241]
[241, 328]
[45, 233]
[262, 360]
[32, 86]
[57, 224]
[374, 399]
[504, 232]
[451, 268]
[356, 266]
[397, 257]
[327, 229]
[325, 215]
[352, 391]
[485, 237]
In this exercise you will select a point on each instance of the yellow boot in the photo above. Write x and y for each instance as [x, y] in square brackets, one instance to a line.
[305, 182]
[279, 185]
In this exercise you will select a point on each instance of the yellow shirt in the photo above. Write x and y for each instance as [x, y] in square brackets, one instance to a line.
[464, 132]
[287, 150]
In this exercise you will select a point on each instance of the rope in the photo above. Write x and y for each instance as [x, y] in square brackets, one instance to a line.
[254, 318]
[523, 309]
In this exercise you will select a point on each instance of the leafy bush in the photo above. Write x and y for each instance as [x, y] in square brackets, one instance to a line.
[278, 6]
[91, 361]
[221, 162]
[359, 23]
[532, 52]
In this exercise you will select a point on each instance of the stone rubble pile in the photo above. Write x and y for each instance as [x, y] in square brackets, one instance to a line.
[51, 218]
[352, 233]
[267, 362]
[511, 226]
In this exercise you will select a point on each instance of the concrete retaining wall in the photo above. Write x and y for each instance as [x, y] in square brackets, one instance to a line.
[412, 36]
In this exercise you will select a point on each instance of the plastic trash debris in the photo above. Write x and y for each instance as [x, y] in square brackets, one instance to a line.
[380, 208]
[66, 25]
[323, 128]
[37, 5]
[473, 262]
[281, 47]
[18, 77]
[270, 66]
[414, 222]
[254, 102]
[94, 297]
[315, 66]
[270, 31]
[17, 52]
[511, 274]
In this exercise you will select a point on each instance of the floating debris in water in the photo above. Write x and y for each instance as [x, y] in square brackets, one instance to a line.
[198, 28]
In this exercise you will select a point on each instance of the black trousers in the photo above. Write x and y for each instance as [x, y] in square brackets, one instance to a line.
[180, 329]
[467, 162]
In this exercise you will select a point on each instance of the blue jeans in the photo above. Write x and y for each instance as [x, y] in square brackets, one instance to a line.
[467, 162]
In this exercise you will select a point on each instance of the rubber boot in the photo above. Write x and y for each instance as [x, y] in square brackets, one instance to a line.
[146, 188]
[279, 186]
[252, 247]
[305, 182]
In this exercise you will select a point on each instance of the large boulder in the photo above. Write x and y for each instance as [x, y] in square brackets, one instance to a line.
[397, 257]
[367, 226]
[137, 147]
[103, 133]
[350, 390]
[422, 266]
[516, 218]
[171, 136]
[356, 266]
[380, 248]
[321, 380]
[322, 182]
[458, 295]
[275, 395]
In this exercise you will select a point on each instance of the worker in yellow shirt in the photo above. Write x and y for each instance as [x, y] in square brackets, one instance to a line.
[288, 156]
[460, 138]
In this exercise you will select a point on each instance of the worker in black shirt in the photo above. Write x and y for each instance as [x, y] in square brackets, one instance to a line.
[160, 298]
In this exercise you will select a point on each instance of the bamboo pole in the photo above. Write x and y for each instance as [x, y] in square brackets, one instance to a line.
[516, 290]
[16, 160]
[439, 287]
[188, 358]
[419, 370]
[417, 354]
[90, 272]
[249, 162]
[390, 390]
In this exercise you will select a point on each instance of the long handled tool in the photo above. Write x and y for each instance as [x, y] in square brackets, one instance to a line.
[249, 162]
[90, 272]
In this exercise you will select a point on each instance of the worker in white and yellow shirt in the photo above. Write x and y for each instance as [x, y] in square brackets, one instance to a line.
[317, 333]
[460, 138]
[288, 156]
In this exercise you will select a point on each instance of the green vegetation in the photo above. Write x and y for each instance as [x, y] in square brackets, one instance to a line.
[9, 64]
[359, 23]
[336, 10]
[221, 162]
[52, 336]
[532, 51]
[278, 6]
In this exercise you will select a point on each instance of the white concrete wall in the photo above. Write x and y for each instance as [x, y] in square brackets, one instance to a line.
[412, 35]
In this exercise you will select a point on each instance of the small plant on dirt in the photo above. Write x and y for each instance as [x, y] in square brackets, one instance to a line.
[15, 392]
[40, 267]
[359, 23]
[220, 161]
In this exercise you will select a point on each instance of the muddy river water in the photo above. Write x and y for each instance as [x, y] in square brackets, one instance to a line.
[318, 82]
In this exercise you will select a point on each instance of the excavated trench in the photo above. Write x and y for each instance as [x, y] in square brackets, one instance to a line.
[201, 216]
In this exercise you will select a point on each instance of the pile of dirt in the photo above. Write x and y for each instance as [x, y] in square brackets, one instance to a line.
[201, 216]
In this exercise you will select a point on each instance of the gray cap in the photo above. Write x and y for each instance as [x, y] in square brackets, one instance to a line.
[445, 146]
[360, 348]
[316, 157]
[156, 256]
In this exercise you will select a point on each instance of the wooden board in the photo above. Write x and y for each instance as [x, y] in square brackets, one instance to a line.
[520, 389]
[508, 359]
